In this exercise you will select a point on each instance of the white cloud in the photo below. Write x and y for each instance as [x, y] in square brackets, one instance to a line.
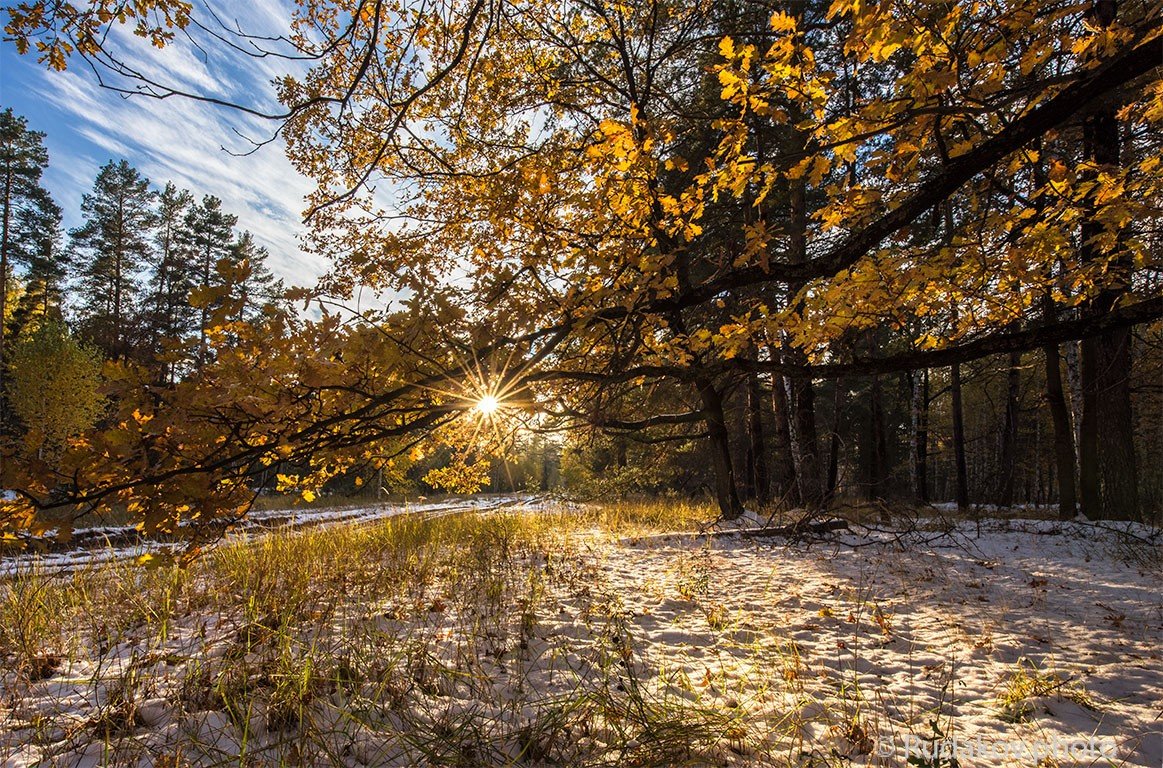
[181, 140]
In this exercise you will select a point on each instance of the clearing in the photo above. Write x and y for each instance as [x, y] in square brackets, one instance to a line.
[597, 636]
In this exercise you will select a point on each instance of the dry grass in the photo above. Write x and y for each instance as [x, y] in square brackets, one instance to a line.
[471, 640]
[406, 641]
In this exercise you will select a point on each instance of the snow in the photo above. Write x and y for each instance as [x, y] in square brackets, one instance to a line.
[851, 650]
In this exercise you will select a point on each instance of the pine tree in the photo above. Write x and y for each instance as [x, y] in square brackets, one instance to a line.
[23, 159]
[38, 248]
[258, 289]
[207, 236]
[168, 316]
[115, 242]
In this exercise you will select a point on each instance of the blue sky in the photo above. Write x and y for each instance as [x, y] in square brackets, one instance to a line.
[174, 139]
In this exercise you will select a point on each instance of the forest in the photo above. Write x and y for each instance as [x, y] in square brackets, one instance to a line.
[876, 279]
[827, 254]
[151, 275]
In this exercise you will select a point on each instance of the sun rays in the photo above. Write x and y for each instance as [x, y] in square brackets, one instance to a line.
[492, 397]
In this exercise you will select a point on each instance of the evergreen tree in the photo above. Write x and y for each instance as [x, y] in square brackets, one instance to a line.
[23, 159]
[258, 289]
[168, 316]
[39, 248]
[207, 236]
[115, 241]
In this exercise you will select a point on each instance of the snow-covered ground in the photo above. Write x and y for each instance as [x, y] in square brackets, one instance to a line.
[1033, 635]
[1029, 643]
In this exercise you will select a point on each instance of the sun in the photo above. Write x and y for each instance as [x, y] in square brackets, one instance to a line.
[487, 405]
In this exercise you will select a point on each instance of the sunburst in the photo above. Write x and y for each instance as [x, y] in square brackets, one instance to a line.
[487, 405]
[491, 392]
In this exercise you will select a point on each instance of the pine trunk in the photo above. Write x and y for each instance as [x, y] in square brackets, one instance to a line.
[803, 394]
[920, 408]
[961, 474]
[1007, 451]
[1063, 434]
[784, 464]
[1118, 471]
[5, 235]
[757, 477]
[834, 443]
[877, 459]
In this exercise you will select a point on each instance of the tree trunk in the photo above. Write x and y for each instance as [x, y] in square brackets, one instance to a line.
[725, 493]
[757, 478]
[878, 449]
[5, 236]
[1063, 434]
[1064, 473]
[807, 443]
[1071, 361]
[784, 476]
[1106, 450]
[118, 279]
[118, 352]
[1118, 471]
[803, 395]
[1008, 449]
[961, 475]
[1090, 495]
[834, 443]
[920, 385]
